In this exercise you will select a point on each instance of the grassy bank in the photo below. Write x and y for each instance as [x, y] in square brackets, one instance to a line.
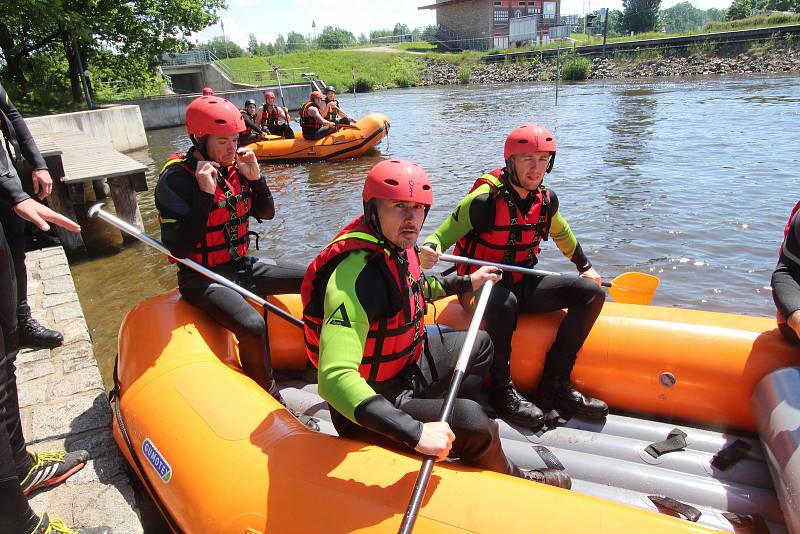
[373, 70]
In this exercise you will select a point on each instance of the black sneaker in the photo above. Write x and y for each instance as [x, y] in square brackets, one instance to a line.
[551, 477]
[52, 526]
[51, 468]
[561, 396]
[34, 334]
[511, 406]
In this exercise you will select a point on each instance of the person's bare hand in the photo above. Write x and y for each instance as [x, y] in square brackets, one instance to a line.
[40, 215]
[42, 183]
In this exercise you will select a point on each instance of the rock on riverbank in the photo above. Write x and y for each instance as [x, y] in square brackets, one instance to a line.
[644, 65]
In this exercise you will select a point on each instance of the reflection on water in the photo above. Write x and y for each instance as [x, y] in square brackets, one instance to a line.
[691, 180]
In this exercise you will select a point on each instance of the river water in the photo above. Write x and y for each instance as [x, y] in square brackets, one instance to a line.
[688, 179]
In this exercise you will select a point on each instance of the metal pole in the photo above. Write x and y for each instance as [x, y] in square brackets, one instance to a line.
[81, 72]
[558, 69]
[424, 475]
[97, 211]
[605, 30]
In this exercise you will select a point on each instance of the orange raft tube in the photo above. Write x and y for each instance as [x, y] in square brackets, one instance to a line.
[220, 455]
[349, 141]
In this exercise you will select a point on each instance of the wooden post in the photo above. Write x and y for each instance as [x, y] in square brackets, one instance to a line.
[59, 201]
[125, 204]
[100, 190]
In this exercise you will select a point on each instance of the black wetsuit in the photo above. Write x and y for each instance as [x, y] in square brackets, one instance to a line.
[255, 130]
[184, 211]
[582, 298]
[281, 127]
[786, 279]
[17, 135]
[15, 513]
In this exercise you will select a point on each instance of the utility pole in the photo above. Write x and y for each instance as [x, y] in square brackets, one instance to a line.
[82, 72]
[222, 25]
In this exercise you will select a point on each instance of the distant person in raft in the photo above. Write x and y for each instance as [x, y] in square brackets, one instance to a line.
[252, 131]
[364, 299]
[503, 219]
[205, 198]
[333, 112]
[207, 91]
[273, 118]
[315, 125]
[786, 280]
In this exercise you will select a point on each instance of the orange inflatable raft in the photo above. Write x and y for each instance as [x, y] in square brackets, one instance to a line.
[218, 454]
[349, 141]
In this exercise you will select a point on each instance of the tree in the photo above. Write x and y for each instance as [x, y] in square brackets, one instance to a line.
[295, 42]
[713, 14]
[222, 48]
[377, 35]
[741, 9]
[401, 29]
[333, 37]
[42, 36]
[280, 44]
[430, 33]
[682, 17]
[252, 45]
[640, 15]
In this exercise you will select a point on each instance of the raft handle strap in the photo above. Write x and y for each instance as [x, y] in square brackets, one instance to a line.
[730, 455]
[670, 506]
[548, 457]
[747, 524]
[676, 441]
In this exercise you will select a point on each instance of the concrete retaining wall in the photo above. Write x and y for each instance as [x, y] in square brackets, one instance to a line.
[122, 126]
[168, 111]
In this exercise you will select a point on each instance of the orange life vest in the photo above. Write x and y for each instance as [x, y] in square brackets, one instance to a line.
[226, 230]
[514, 237]
[393, 343]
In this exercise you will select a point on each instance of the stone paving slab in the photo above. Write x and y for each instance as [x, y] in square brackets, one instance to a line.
[64, 405]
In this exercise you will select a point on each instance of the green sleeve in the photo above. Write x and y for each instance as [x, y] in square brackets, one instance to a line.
[342, 339]
[434, 290]
[562, 235]
[458, 223]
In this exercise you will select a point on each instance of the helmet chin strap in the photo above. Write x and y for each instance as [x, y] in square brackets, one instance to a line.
[200, 146]
[512, 173]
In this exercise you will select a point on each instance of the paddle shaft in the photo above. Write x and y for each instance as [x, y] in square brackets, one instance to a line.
[513, 268]
[424, 475]
[280, 91]
[97, 211]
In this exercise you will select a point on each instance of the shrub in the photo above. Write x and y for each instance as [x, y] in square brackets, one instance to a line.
[363, 84]
[464, 74]
[575, 68]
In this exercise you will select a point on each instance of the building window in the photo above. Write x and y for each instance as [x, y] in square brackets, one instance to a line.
[549, 10]
[501, 16]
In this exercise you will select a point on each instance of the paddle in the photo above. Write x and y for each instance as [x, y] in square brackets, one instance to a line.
[280, 91]
[629, 288]
[97, 211]
[447, 410]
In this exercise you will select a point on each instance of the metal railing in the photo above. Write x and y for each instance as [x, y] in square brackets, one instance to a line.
[191, 57]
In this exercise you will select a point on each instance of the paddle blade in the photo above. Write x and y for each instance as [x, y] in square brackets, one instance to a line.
[634, 288]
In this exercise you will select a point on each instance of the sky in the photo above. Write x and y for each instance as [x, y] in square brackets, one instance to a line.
[267, 18]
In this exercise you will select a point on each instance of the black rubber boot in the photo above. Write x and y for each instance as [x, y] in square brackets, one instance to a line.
[551, 477]
[560, 395]
[512, 407]
[53, 526]
[33, 334]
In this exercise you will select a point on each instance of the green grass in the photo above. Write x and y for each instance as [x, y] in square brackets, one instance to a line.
[760, 21]
[575, 68]
[417, 46]
[336, 67]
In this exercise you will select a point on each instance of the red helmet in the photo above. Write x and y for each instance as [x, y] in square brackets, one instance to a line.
[212, 115]
[269, 94]
[398, 179]
[207, 91]
[529, 138]
[315, 94]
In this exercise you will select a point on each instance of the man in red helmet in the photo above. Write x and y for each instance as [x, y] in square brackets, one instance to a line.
[274, 118]
[207, 91]
[786, 280]
[503, 219]
[364, 312]
[204, 199]
[314, 124]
